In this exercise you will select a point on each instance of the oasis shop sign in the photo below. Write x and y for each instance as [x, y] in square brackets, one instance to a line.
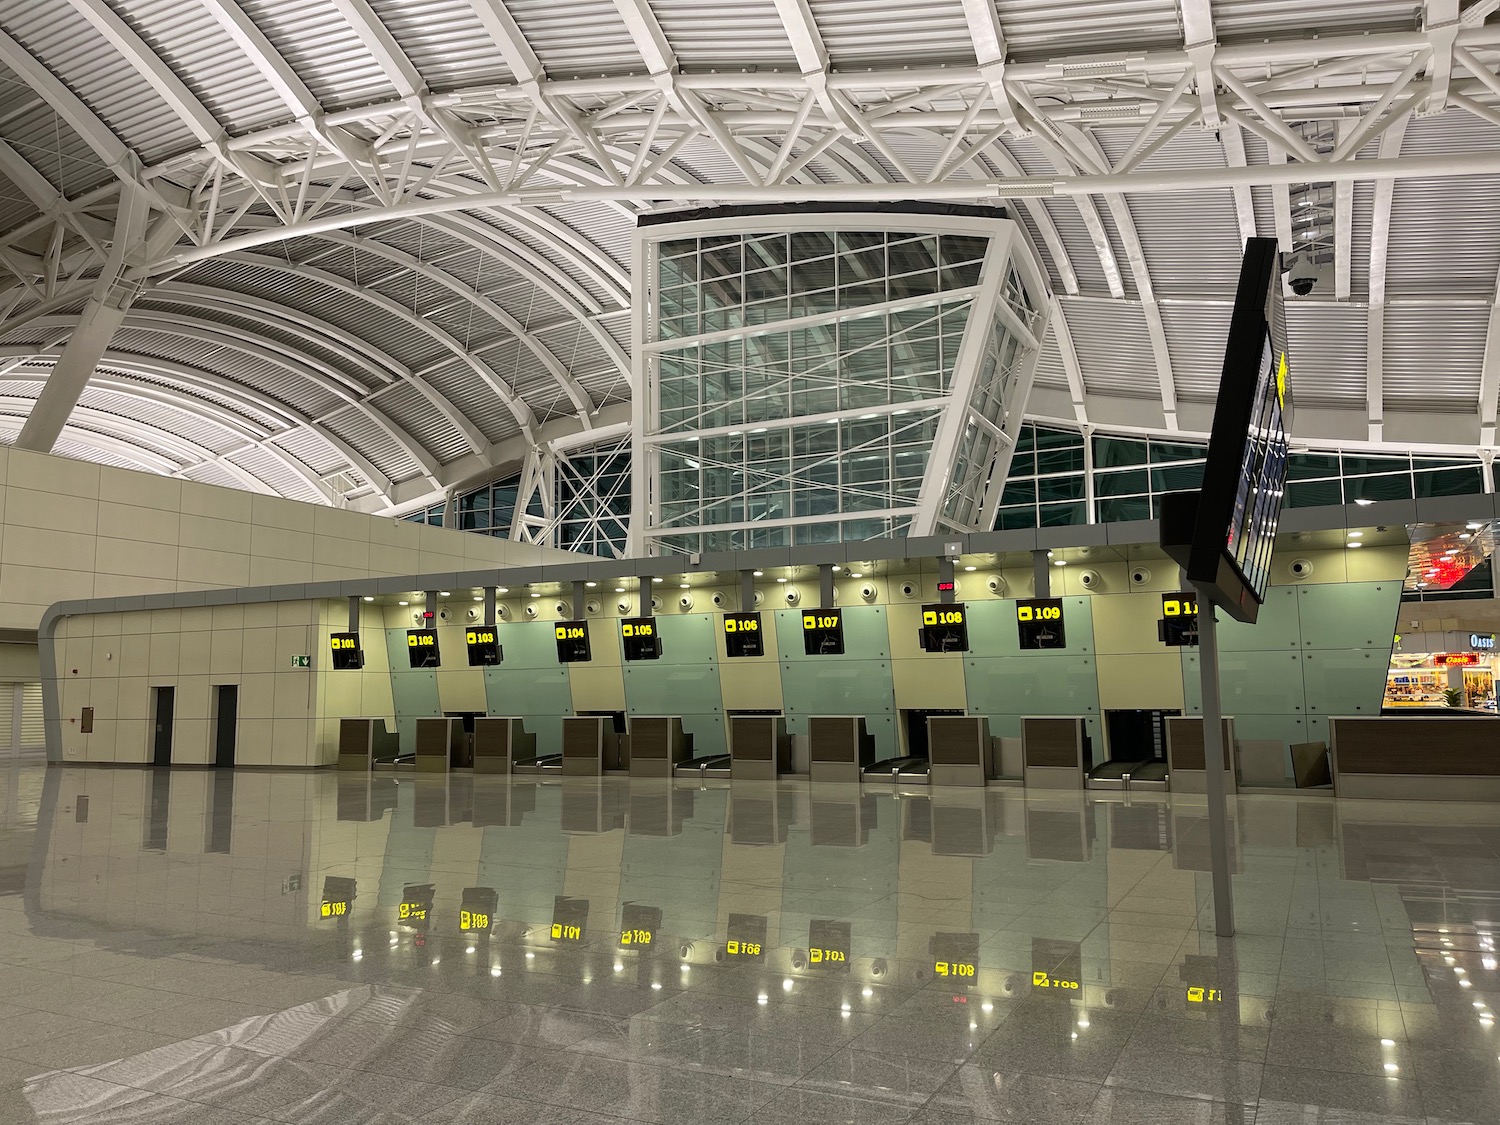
[1482, 641]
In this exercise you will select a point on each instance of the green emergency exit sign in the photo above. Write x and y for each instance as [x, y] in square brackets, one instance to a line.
[301, 662]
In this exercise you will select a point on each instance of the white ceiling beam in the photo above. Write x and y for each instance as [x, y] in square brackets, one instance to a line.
[146, 459]
[152, 68]
[1440, 23]
[1072, 369]
[1380, 243]
[377, 39]
[1489, 378]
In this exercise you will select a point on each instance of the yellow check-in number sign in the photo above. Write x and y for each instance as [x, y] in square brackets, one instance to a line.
[1045, 980]
[333, 909]
[1205, 995]
[570, 632]
[635, 937]
[639, 629]
[742, 625]
[943, 617]
[473, 920]
[480, 636]
[564, 932]
[1038, 612]
[826, 956]
[420, 640]
[742, 948]
[955, 969]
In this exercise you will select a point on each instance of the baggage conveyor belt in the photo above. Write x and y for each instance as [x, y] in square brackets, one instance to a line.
[1146, 774]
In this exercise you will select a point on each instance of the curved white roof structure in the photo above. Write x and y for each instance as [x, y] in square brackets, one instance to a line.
[365, 250]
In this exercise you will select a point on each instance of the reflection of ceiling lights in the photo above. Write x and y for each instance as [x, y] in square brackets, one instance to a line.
[1363, 503]
[1444, 554]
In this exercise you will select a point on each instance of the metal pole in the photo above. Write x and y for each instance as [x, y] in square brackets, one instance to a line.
[354, 614]
[1213, 766]
[747, 590]
[945, 578]
[825, 586]
[646, 589]
[489, 605]
[1041, 575]
[580, 599]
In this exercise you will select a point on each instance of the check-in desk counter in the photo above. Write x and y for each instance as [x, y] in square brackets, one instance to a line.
[590, 746]
[441, 745]
[1053, 752]
[657, 744]
[1416, 758]
[959, 749]
[501, 742]
[361, 741]
[1185, 770]
[838, 747]
[759, 748]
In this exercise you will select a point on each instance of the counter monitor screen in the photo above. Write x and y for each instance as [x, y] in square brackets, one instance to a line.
[338, 897]
[1178, 627]
[416, 904]
[747, 937]
[476, 911]
[1040, 624]
[573, 642]
[484, 647]
[955, 956]
[945, 628]
[641, 638]
[422, 648]
[828, 944]
[823, 632]
[639, 925]
[742, 635]
[570, 919]
[1244, 477]
[347, 655]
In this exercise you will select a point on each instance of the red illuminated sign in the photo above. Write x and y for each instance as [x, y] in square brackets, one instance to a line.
[1453, 659]
[945, 587]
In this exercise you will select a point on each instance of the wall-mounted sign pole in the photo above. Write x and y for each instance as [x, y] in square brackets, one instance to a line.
[1041, 574]
[644, 596]
[430, 618]
[489, 606]
[747, 590]
[946, 595]
[580, 600]
[354, 614]
[1213, 765]
[825, 586]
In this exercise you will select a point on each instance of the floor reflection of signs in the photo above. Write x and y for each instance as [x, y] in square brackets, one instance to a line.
[746, 937]
[639, 926]
[570, 919]
[828, 944]
[955, 957]
[1057, 967]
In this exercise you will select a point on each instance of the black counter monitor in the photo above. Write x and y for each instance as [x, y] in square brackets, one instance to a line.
[1040, 624]
[641, 638]
[823, 632]
[829, 944]
[1057, 965]
[347, 655]
[1178, 627]
[570, 919]
[573, 642]
[639, 926]
[476, 911]
[945, 628]
[484, 647]
[422, 648]
[747, 937]
[742, 635]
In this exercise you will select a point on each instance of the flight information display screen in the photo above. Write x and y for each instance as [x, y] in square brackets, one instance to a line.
[641, 638]
[573, 642]
[1224, 541]
[1040, 624]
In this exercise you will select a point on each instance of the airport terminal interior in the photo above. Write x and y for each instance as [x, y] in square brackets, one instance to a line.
[749, 562]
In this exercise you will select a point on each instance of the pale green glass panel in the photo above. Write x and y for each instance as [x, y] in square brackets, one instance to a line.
[414, 692]
[857, 683]
[1276, 627]
[1032, 683]
[536, 843]
[684, 682]
[670, 832]
[531, 683]
[1349, 615]
[408, 849]
[865, 635]
[1254, 683]
[1345, 682]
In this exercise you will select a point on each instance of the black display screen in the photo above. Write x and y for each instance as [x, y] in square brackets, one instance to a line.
[945, 628]
[573, 642]
[1228, 554]
[742, 635]
[641, 638]
[823, 632]
[422, 648]
[829, 944]
[955, 956]
[1040, 624]
[416, 905]
[570, 919]
[484, 646]
[347, 655]
[1178, 627]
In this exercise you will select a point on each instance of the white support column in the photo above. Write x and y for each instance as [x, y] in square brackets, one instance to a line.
[1489, 381]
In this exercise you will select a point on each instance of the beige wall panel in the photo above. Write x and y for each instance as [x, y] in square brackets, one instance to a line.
[597, 688]
[461, 689]
[751, 683]
[931, 681]
[1141, 680]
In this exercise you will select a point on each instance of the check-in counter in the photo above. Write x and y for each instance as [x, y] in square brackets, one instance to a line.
[501, 742]
[657, 744]
[590, 746]
[1052, 750]
[959, 749]
[839, 747]
[1185, 769]
[441, 745]
[1416, 758]
[361, 741]
[759, 748]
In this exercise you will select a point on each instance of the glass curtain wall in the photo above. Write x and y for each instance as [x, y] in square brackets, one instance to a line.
[800, 385]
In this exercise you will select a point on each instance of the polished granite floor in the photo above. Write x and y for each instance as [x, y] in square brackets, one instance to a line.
[217, 949]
